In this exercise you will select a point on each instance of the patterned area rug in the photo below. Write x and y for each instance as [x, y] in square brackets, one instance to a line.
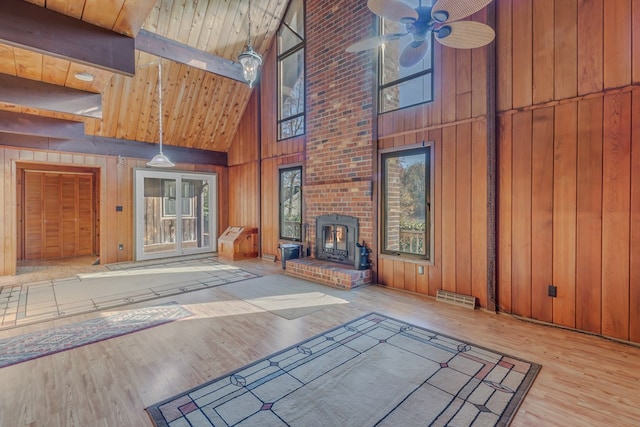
[37, 344]
[372, 371]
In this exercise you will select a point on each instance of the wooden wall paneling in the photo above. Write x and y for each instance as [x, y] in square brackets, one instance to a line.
[422, 280]
[409, 274]
[542, 213]
[435, 107]
[243, 195]
[615, 215]
[479, 215]
[448, 84]
[543, 50]
[408, 115]
[385, 271]
[521, 214]
[504, 55]
[110, 239]
[590, 46]
[463, 213]
[33, 216]
[52, 247]
[522, 54]
[69, 206]
[634, 272]
[4, 212]
[564, 213]
[86, 209]
[8, 212]
[635, 43]
[18, 212]
[398, 275]
[479, 82]
[448, 202]
[435, 270]
[617, 43]
[566, 45]
[504, 286]
[463, 83]
[270, 205]
[589, 219]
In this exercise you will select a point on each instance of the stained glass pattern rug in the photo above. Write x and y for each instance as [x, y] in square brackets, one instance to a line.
[372, 371]
[42, 343]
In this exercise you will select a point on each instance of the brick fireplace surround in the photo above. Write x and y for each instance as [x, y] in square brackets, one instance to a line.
[328, 273]
[339, 146]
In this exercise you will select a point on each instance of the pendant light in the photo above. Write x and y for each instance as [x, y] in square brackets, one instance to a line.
[160, 160]
[249, 58]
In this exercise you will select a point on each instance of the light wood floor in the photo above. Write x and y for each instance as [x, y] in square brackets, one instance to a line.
[584, 381]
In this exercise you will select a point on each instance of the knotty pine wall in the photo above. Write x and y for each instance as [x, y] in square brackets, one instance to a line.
[569, 164]
[456, 123]
[253, 183]
[568, 202]
[116, 189]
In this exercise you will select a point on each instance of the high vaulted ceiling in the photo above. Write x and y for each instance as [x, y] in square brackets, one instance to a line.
[201, 109]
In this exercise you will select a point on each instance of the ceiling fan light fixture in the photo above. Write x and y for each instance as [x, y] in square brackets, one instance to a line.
[443, 31]
[440, 15]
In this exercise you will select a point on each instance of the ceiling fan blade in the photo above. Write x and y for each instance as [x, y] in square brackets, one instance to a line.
[413, 53]
[464, 34]
[394, 10]
[373, 42]
[453, 10]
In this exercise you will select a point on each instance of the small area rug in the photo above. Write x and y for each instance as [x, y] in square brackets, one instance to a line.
[372, 371]
[30, 346]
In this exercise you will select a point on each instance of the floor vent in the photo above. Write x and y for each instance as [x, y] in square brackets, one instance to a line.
[268, 257]
[456, 299]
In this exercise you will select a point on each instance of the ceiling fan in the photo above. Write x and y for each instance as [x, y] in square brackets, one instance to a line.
[443, 19]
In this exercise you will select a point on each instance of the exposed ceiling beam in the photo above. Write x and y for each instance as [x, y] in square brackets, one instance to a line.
[32, 27]
[184, 54]
[95, 145]
[27, 124]
[35, 94]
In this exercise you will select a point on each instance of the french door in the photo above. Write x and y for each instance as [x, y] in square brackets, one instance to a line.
[176, 213]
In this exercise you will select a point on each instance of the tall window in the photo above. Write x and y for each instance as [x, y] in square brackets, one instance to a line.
[291, 203]
[291, 90]
[406, 202]
[398, 86]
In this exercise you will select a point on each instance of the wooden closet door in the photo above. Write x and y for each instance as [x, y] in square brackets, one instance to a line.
[33, 215]
[58, 215]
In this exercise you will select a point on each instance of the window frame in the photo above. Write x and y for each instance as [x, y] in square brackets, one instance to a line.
[427, 148]
[280, 58]
[281, 170]
[383, 86]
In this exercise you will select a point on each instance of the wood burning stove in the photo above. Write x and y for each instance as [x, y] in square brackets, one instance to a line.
[336, 238]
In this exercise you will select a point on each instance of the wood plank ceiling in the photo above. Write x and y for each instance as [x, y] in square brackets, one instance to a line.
[200, 109]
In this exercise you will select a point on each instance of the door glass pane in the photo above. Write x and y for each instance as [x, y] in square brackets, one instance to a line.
[159, 215]
[195, 213]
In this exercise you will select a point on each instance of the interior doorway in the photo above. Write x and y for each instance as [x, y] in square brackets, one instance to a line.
[57, 212]
[176, 213]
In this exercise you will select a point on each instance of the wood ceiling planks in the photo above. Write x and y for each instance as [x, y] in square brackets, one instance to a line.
[200, 109]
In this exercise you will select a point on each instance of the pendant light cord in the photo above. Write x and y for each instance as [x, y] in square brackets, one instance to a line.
[249, 13]
[160, 102]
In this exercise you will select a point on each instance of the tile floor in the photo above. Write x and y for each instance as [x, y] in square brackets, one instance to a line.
[111, 286]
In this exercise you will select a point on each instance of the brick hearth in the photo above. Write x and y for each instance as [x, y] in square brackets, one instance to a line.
[327, 273]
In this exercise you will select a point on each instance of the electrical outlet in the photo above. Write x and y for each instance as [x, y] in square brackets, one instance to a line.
[421, 269]
[552, 291]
